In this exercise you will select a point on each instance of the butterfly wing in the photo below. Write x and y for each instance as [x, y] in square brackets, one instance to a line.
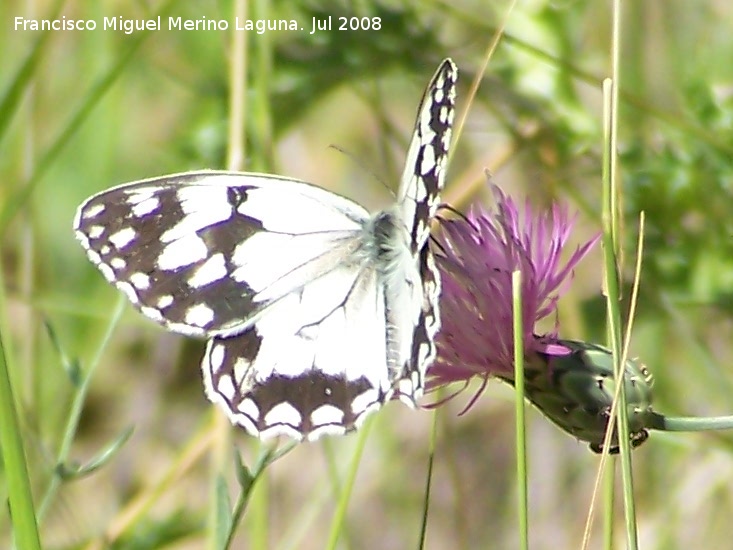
[419, 199]
[424, 174]
[205, 253]
[314, 365]
[308, 332]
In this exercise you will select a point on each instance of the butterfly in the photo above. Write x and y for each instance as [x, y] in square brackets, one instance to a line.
[316, 311]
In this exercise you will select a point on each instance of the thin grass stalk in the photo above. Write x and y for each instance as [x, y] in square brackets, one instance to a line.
[134, 512]
[262, 115]
[608, 476]
[219, 520]
[339, 515]
[521, 440]
[428, 480]
[613, 286]
[77, 405]
[267, 457]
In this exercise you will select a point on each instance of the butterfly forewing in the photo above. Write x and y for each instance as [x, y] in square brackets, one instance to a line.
[316, 312]
[424, 173]
[203, 253]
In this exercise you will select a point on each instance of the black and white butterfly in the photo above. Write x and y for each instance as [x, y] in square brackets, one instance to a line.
[316, 312]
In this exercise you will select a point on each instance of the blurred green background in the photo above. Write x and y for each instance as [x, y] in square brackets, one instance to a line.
[154, 103]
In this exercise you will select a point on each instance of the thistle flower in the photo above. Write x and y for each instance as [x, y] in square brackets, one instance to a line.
[570, 382]
[478, 255]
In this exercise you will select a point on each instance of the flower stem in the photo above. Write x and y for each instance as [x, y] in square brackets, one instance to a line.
[658, 421]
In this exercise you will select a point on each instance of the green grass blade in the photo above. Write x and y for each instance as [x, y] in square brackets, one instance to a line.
[343, 503]
[521, 440]
[237, 81]
[25, 527]
[223, 524]
[611, 240]
[10, 102]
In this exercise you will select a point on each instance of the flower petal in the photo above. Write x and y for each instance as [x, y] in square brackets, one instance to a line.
[477, 256]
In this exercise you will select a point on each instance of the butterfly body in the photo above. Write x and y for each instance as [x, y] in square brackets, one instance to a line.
[316, 311]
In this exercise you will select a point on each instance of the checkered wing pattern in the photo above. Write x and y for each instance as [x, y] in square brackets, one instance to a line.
[316, 312]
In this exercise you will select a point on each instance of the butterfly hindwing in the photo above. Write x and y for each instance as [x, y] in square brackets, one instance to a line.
[314, 365]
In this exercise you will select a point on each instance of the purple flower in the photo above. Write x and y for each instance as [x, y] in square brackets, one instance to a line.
[477, 257]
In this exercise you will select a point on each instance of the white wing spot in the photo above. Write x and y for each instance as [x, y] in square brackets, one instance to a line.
[137, 195]
[185, 251]
[117, 263]
[203, 206]
[107, 272]
[226, 386]
[406, 387]
[249, 408]
[94, 257]
[128, 290]
[327, 414]
[164, 301]
[242, 420]
[104, 250]
[216, 357]
[367, 400]
[428, 161]
[93, 211]
[123, 237]
[417, 383]
[211, 270]
[283, 413]
[328, 429]
[207, 200]
[241, 366]
[199, 315]
[152, 313]
[145, 207]
[140, 281]
[446, 140]
[287, 431]
[95, 231]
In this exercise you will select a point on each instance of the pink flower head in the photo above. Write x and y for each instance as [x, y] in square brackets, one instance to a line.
[476, 259]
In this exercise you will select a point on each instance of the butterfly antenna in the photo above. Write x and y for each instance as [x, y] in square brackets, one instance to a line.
[434, 241]
[449, 208]
[363, 166]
